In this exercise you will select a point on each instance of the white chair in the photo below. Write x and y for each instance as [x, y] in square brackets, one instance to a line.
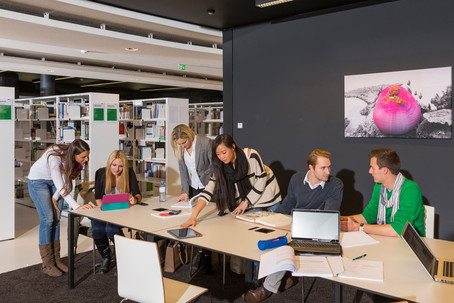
[140, 276]
[429, 221]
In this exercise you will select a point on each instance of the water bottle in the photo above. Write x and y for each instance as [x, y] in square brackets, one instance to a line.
[162, 192]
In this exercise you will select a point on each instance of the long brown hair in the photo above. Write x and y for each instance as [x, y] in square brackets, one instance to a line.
[123, 181]
[67, 153]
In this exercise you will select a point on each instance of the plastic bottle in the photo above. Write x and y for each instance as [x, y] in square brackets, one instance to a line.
[162, 192]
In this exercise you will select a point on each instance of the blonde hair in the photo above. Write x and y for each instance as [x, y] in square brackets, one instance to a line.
[123, 181]
[181, 131]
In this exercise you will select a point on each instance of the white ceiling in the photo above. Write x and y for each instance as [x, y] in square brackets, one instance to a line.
[30, 42]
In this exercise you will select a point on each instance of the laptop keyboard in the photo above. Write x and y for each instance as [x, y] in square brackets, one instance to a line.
[297, 244]
[448, 269]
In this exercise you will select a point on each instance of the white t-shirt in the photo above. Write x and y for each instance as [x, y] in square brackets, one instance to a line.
[49, 168]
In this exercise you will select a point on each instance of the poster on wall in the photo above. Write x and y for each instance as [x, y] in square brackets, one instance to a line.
[402, 104]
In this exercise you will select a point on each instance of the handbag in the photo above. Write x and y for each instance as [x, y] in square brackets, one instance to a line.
[176, 255]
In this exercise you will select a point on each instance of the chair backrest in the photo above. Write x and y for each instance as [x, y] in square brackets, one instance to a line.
[138, 270]
[429, 221]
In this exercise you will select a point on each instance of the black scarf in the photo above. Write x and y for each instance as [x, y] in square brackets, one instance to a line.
[239, 176]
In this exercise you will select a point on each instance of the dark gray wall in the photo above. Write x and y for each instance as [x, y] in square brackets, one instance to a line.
[285, 83]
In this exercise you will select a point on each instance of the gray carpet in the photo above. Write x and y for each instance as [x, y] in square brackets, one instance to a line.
[31, 285]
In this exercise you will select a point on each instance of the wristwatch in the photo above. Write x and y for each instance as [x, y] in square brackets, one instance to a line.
[361, 226]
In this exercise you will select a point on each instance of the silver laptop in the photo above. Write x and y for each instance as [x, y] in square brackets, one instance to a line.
[441, 270]
[316, 231]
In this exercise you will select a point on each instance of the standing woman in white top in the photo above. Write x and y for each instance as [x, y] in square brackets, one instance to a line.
[49, 180]
[194, 160]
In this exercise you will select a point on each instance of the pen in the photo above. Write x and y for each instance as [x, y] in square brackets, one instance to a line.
[360, 257]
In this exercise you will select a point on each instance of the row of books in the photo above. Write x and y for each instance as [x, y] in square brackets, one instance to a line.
[73, 111]
[155, 170]
[70, 133]
[152, 111]
[148, 152]
[152, 132]
[126, 112]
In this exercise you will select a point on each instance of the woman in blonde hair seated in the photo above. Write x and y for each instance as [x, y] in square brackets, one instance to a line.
[115, 178]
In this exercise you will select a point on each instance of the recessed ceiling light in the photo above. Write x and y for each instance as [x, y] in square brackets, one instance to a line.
[210, 11]
[50, 71]
[131, 49]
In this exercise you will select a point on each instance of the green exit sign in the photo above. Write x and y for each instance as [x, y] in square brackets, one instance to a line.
[181, 67]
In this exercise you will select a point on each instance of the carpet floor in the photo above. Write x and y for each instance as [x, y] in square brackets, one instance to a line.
[31, 285]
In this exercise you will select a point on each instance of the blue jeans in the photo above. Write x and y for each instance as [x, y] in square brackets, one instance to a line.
[99, 229]
[41, 192]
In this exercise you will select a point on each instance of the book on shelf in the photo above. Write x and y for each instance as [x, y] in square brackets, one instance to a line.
[283, 258]
[146, 152]
[21, 114]
[266, 218]
[356, 238]
[43, 113]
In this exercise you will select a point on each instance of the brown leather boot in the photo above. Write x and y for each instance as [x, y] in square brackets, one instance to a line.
[47, 255]
[58, 261]
[255, 296]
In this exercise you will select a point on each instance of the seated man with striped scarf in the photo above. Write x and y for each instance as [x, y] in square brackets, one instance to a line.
[395, 199]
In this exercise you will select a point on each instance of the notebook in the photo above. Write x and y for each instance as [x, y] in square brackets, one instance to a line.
[113, 202]
[441, 270]
[316, 231]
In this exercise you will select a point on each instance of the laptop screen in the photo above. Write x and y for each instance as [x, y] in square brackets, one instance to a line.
[315, 224]
[417, 245]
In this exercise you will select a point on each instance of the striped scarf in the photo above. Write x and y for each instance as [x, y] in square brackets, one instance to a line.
[392, 201]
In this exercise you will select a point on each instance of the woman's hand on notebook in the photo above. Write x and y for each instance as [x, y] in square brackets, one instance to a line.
[241, 208]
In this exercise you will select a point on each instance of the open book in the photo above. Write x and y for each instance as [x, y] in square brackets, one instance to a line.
[283, 258]
[266, 218]
[190, 204]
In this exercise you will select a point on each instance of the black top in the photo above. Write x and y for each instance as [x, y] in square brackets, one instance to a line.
[100, 183]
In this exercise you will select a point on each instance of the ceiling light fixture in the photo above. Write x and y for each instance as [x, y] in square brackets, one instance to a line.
[131, 49]
[266, 3]
[210, 11]
[158, 89]
[100, 84]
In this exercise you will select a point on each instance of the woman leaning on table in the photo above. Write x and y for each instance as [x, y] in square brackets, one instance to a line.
[115, 178]
[194, 160]
[240, 181]
[50, 180]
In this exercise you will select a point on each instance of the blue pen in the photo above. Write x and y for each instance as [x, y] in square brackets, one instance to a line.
[360, 257]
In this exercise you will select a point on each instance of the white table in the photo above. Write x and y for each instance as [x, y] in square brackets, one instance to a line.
[136, 217]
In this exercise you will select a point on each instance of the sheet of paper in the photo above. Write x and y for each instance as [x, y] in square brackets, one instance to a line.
[312, 266]
[356, 238]
[362, 270]
[278, 259]
[336, 264]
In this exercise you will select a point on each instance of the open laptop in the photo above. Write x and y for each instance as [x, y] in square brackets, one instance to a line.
[316, 231]
[441, 270]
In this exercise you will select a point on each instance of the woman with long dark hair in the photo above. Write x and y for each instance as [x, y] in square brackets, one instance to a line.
[240, 181]
[50, 180]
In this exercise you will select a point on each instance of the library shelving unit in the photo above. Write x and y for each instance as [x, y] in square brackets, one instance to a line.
[7, 207]
[35, 123]
[42, 121]
[145, 139]
[92, 117]
[207, 118]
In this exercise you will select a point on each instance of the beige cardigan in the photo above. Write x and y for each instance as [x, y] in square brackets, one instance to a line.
[265, 189]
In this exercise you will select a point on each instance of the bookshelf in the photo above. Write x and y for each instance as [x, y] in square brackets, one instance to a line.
[7, 208]
[35, 123]
[207, 118]
[43, 121]
[147, 123]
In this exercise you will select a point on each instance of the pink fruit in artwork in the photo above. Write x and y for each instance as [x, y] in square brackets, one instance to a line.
[396, 111]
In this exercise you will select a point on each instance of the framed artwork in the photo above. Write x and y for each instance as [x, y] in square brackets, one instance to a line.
[402, 104]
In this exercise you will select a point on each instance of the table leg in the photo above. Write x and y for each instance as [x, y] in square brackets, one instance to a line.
[223, 272]
[71, 218]
[337, 292]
